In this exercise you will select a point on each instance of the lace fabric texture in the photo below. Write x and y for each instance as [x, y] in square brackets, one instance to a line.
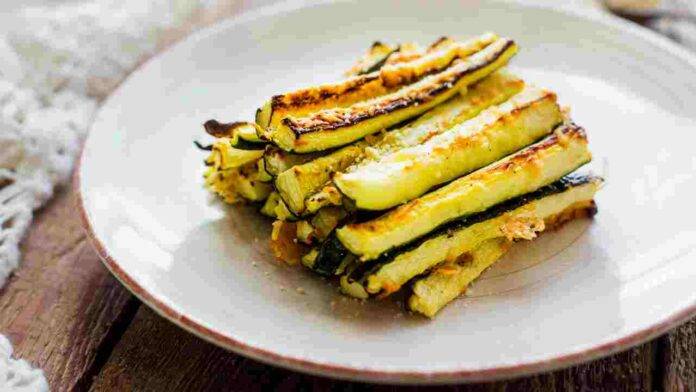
[54, 69]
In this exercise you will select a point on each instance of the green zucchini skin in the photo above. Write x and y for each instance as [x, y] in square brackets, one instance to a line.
[277, 160]
[492, 90]
[306, 101]
[331, 255]
[299, 182]
[362, 273]
[374, 59]
[336, 127]
[494, 134]
[269, 206]
[533, 167]
[432, 292]
[242, 135]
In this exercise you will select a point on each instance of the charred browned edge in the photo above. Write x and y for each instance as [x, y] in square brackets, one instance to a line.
[569, 130]
[218, 129]
[579, 210]
[462, 141]
[350, 119]
[438, 41]
[307, 97]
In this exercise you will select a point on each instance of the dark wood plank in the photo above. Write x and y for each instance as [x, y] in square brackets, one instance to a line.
[60, 308]
[155, 355]
[679, 358]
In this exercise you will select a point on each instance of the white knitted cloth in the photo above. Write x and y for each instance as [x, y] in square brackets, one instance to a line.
[53, 67]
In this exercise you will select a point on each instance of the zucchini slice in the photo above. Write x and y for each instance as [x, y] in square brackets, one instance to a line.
[339, 126]
[495, 133]
[440, 287]
[308, 259]
[241, 134]
[301, 181]
[326, 220]
[523, 172]
[305, 232]
[354, 89]
[493, 90]
[277, 160]
[238, 183]
[263, 175]
[373, 60]
[325, 197]
[519, 218]
[270, 205]
[282, 212]
[225, 156]
[439, 56]
[332, 254]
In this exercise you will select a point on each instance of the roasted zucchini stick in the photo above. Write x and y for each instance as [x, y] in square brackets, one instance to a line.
[519, 218]
[224, 156]
[277, 160]
[354, 89]
[339, 126]
[493, 90]
[270, 205]
[242, 135]
[373, 60]
[237, 184]
[440, 287]
[495, 133]
[298, 182]
[523, 172]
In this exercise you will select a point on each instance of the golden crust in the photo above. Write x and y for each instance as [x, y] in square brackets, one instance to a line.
[332, 119]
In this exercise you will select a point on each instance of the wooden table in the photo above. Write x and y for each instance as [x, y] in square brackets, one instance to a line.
[65, 313]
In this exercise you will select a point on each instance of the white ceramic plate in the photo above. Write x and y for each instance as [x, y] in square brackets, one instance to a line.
[590, 289]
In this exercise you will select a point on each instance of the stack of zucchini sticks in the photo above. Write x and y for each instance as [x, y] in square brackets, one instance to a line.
[417, 170]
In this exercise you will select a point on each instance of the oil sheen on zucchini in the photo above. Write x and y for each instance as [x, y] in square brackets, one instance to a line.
[522, 172]
[354, 89]
[441, 286]
[495, 133]
[493, 90]
[339, 126]
[519, 218]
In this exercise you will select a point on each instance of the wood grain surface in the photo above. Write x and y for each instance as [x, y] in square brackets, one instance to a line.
[65, 313]
[156, 355]
[62, 309]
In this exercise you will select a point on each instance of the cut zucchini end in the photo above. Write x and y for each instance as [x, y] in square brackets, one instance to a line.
[353, 289]
[290, 191]
[533, 167]
[310, 258]
[263, 118]
[518, 219]
[269, 206]
[285, 138]
[445, 283]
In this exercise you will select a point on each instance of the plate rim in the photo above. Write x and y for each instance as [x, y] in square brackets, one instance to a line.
[354, 373]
